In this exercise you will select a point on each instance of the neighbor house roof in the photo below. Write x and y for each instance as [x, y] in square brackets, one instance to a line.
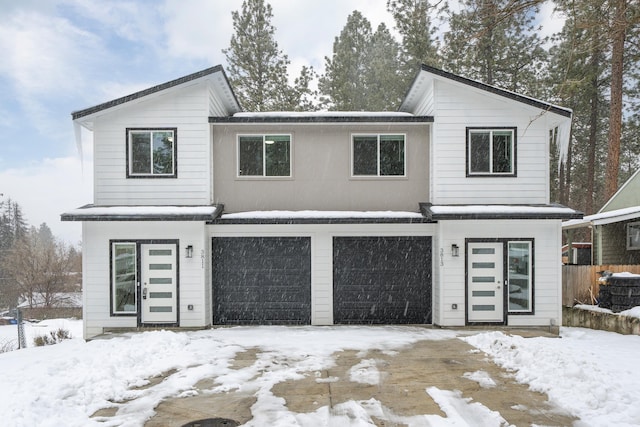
[618, 215]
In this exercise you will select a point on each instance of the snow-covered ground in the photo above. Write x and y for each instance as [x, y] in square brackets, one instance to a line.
[593, 375]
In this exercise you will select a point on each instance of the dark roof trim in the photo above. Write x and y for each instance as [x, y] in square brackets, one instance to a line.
[323, 119]
[91, 110]
[507, 94]
[535, 213]
[142, 217]
[265, 221]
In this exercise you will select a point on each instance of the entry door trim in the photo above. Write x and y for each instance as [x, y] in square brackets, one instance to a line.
[139, 244]
[503, 287]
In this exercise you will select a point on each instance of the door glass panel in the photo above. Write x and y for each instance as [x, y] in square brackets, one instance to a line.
[483, 279]
[160, 294]
[160, 280]
[481, 307]
[159, 252]
[484, 265]
[160, 266]
[520, 285]
[161, 309]
[483, 251]
[484, 293]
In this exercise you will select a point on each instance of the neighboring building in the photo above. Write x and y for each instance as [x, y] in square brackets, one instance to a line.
[615, 229]
[438, 213]
[59, 305]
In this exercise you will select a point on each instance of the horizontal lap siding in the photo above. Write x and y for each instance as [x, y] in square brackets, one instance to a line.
[186, 110]
[547, 268]
[96, 271]
[458, 108]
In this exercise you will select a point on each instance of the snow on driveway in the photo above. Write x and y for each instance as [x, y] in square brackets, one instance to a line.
[591, 374]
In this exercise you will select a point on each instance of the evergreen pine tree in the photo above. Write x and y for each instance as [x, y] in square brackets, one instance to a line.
[258, 69]
[383, 78]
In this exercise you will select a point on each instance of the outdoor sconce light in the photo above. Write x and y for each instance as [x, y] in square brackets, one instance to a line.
[189, 251]
[455, 250]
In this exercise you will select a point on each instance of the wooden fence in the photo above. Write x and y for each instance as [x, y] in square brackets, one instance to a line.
[580, 282]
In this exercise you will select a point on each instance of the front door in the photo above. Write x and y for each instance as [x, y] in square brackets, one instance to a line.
[159, 284]
[485, 287]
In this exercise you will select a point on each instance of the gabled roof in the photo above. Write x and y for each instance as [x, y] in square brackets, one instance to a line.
[415, 91]
[223, 83]
[603, 218]
[628, 195]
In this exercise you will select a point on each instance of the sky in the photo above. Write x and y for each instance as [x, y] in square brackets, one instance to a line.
[61, 56]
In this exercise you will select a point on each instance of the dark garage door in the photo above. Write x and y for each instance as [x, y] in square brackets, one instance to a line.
[261, 280]
[382, 280]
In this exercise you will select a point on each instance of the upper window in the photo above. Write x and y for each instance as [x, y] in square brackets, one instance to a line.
[491, 152]
[378, 155]
[151, 152]
[633, 235]
[264, 155]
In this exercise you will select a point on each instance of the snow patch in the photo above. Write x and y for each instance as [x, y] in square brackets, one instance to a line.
[365, 372]
[481, 377]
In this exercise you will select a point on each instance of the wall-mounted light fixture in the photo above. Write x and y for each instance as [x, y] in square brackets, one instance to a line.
[189, 251]
[455, 250]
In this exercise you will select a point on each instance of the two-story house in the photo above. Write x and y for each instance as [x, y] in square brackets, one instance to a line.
[207, 215]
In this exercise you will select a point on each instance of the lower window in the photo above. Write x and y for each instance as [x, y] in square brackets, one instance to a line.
[124, 276]
[520, 275]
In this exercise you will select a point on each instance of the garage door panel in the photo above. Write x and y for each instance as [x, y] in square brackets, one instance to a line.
[262, 280]
[382, 279]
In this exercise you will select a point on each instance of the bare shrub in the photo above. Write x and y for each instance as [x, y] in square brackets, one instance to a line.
[8, 345]
[53, 337]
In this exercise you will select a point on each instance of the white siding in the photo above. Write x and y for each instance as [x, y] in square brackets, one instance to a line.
[185, 109]
[458, 107]
[547, 267]
[322, 251]
[96, 267]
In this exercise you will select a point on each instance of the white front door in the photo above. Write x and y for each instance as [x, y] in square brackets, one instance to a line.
[159, 283]
[485, 285]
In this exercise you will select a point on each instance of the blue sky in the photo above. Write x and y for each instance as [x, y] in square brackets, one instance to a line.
[61, 56]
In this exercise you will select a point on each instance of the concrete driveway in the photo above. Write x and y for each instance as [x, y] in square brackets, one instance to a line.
[406, 392]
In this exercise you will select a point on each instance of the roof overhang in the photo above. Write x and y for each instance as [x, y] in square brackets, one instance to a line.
[476, 212]
[143, 213]
[322, 117]
[322, 217]
[618, 215]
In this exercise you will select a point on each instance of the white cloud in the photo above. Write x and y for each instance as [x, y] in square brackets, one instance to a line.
[48, 188]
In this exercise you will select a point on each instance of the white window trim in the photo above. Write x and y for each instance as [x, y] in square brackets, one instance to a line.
[471, 130]
[635, 226]
[378, 135]
[264, 157]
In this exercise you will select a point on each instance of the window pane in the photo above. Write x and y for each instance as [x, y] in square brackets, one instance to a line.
[365, 155]
[124, 278]
[391, 155]
[163, 153]
[519, 276]
[140, 152]
[278, 157]
[479, 150]
[250, 156]
[502, 151]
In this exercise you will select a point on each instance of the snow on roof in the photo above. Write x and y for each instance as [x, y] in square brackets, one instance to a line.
[298, 114]
[617, 215]
[90, 212]
[59, 300]
[320, 214]
[499, 209]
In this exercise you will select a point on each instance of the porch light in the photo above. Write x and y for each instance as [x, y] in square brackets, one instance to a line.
[189, 251]
[455, 250]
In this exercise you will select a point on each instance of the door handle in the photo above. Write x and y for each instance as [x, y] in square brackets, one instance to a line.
[144, 293]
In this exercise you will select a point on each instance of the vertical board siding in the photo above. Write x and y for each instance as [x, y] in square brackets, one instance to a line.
[186, 110]
[457, 108]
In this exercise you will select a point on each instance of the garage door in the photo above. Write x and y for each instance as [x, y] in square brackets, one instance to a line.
[382, 280]
[261, 280]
